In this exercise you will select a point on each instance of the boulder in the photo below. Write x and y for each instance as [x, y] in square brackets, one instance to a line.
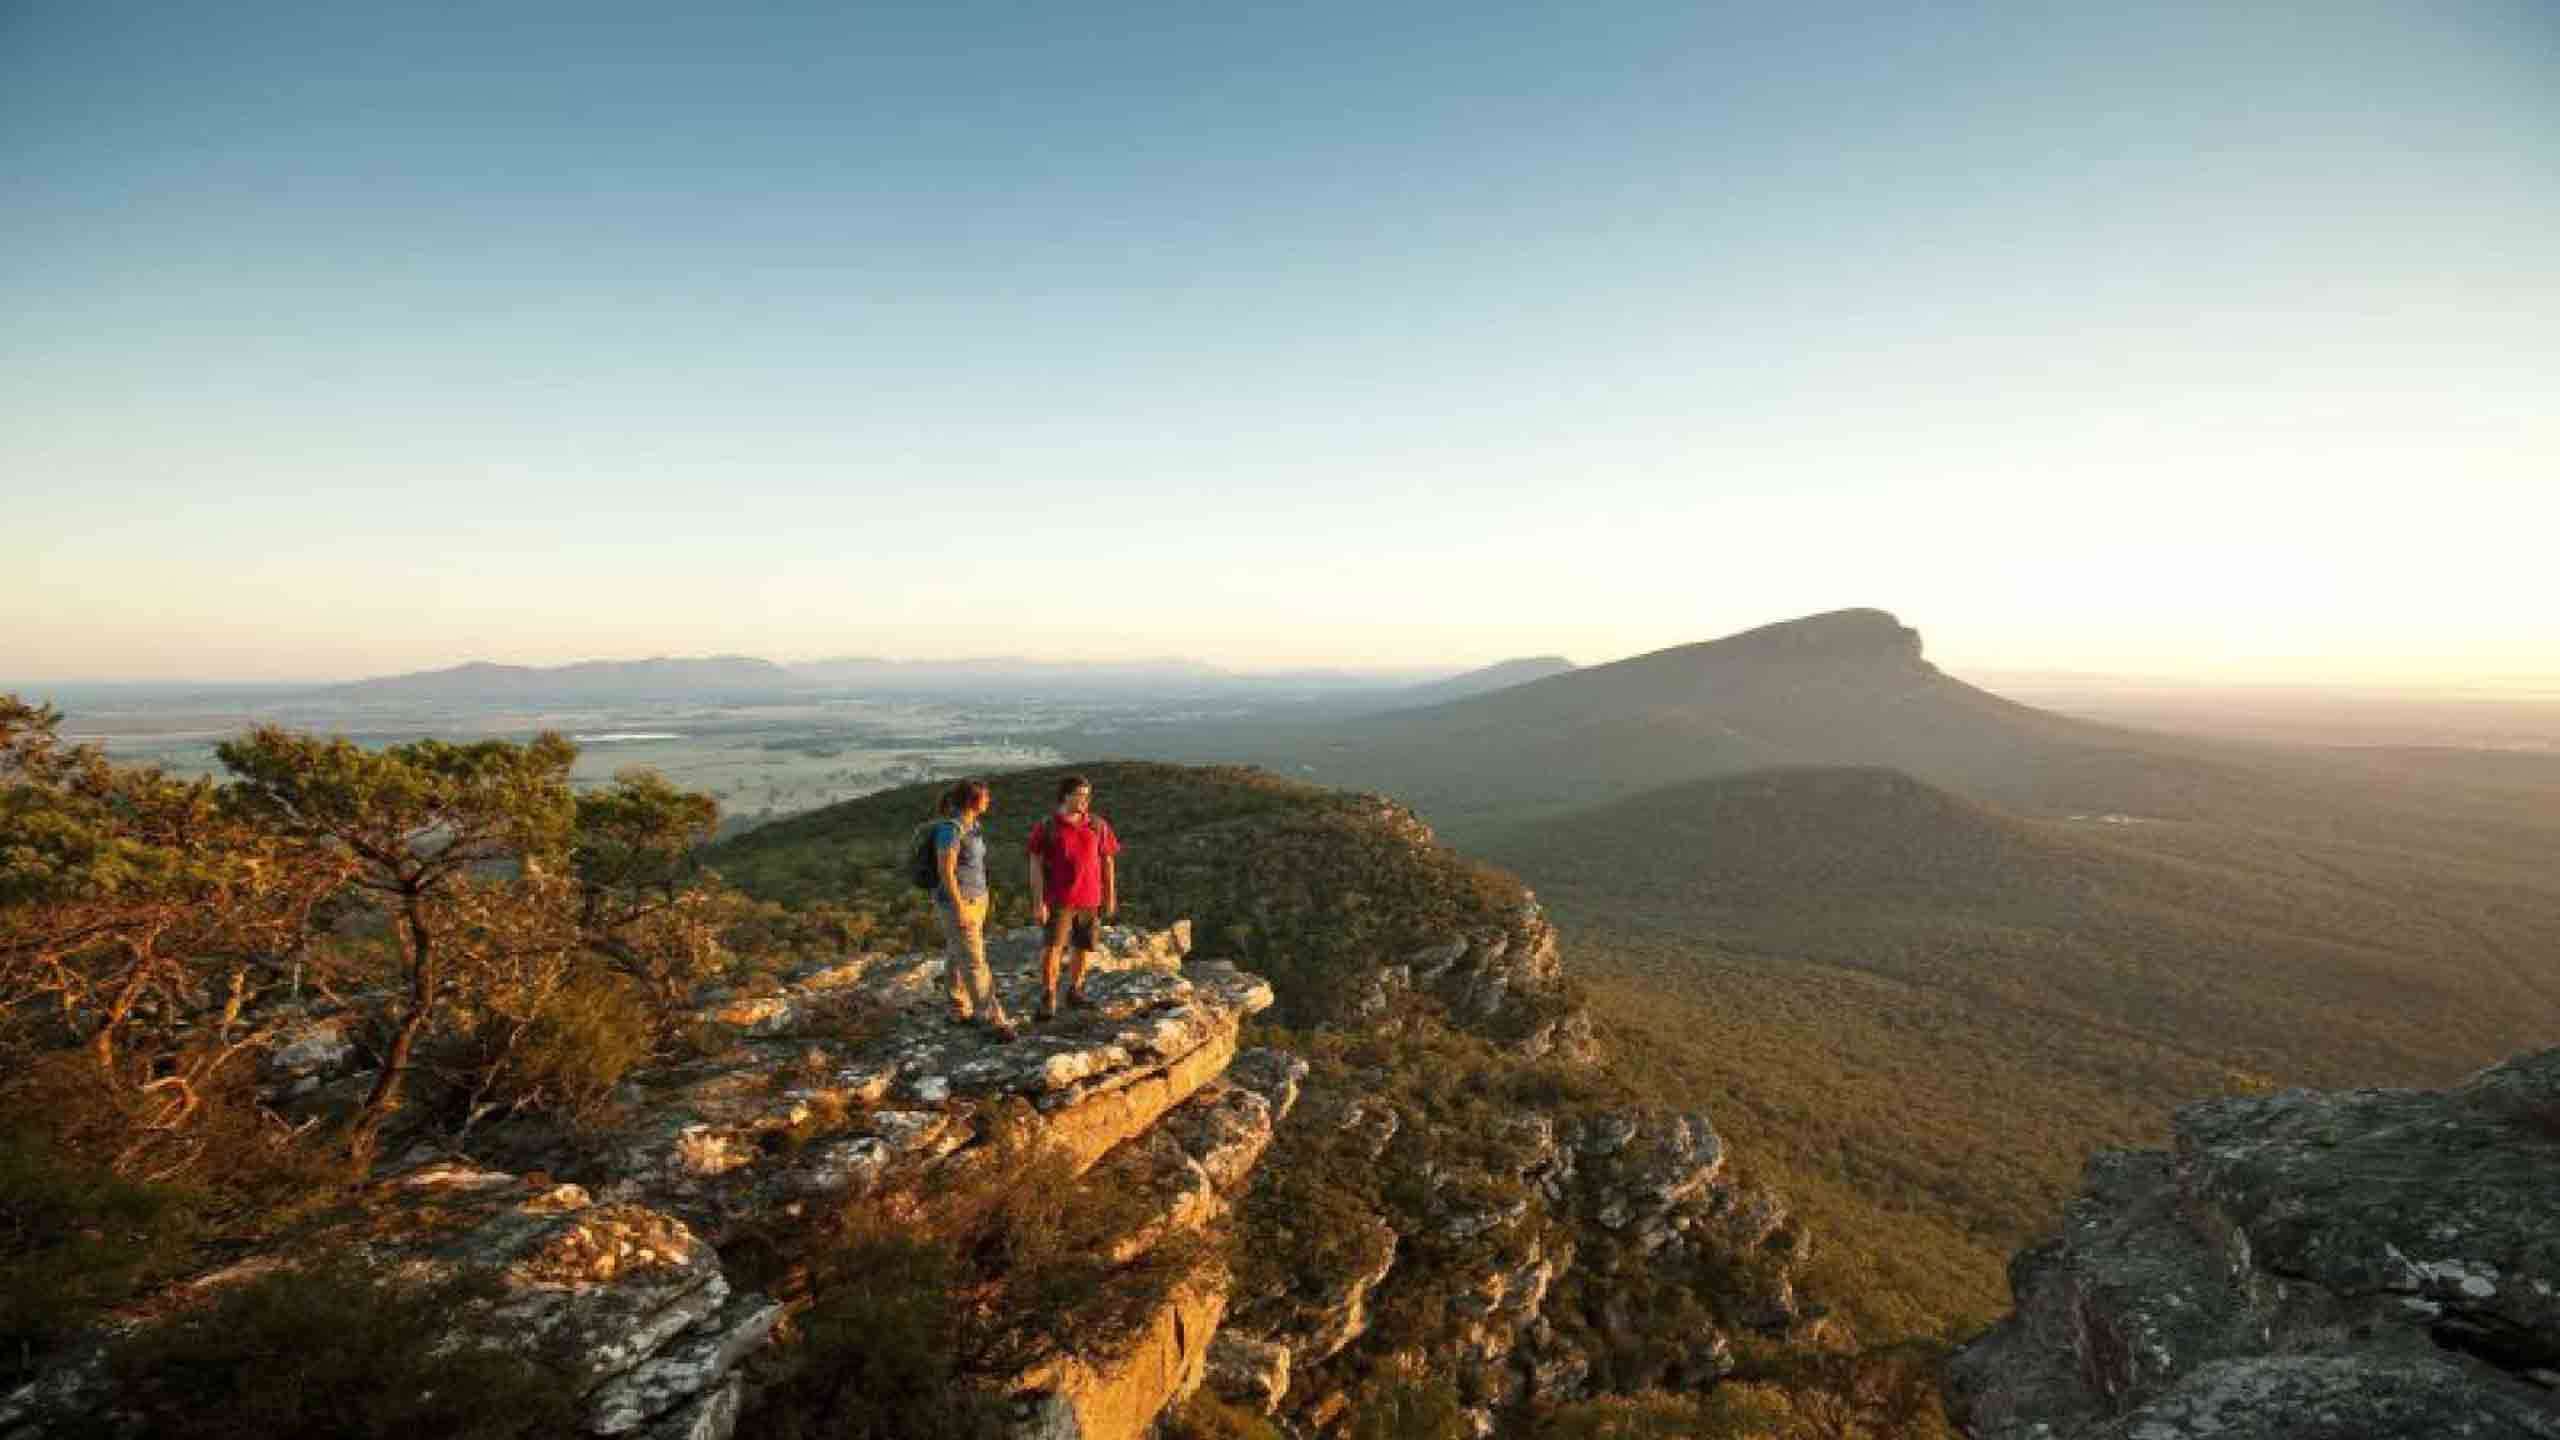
[1249, 1372]
[2368, 1262]
[1120, 1393]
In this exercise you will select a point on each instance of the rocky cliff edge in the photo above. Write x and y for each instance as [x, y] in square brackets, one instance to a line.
[2316, 1266]
[841, 1081]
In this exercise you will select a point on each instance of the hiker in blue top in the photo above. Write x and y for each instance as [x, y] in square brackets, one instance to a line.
[960, 902]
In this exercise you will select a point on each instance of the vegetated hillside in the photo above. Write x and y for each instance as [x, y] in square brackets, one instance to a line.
[1915, 1006]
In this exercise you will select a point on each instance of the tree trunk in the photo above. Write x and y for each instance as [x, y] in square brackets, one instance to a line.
[413, 1018]
[102, 1044]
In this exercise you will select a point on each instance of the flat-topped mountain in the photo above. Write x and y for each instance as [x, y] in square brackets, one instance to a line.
[1848, 687]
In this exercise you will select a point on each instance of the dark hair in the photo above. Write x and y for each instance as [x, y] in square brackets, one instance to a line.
[1072, 784]
[961, 798]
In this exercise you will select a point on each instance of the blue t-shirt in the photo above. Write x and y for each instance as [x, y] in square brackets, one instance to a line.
[971, 873]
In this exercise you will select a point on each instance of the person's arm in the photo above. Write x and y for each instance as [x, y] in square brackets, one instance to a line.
[1110, 847]
[948, 857]
[1039, 882]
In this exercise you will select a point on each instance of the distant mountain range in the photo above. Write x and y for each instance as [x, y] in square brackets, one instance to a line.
[1471, 683]
[711, 675]
[743, 677]
[1008, 672]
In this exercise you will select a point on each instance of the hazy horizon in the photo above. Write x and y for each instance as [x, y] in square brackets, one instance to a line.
[2000, 678]
[2215, 342]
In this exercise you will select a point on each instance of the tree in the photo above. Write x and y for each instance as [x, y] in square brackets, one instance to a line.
[133, 901]
[432, 830]
[643, 904]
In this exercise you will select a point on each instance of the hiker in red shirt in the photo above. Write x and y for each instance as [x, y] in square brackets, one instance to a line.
[1074, 886]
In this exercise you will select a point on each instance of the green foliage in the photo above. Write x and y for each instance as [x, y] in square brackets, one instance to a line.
[1729, 1412]
[337, 1349]
[568, 1055]
[923, 1299]
[430, 828]
[879, 1356]
[1403, 1407]
[148, 925]
[1811, 1393]
[125, 897]
[412, 812]
[95, 1212]
[75, 1238]
[644, 906]
[1206, 1417]
[1858, 974]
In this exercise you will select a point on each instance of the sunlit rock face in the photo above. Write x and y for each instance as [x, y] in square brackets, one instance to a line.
[837, 1083]
[2359, 1263]
[849, 1073]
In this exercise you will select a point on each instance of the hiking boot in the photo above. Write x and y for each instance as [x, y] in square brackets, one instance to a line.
[1003, 1032]
[1078, 1000]
[1048, 1008]
[958, 1018]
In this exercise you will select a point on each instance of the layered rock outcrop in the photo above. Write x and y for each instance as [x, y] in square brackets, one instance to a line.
[835, 1083]
[1532, 1254]
[2368, 1263]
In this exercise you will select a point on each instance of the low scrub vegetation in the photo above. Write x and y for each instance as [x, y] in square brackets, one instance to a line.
[926, 1304]
[337, 1350]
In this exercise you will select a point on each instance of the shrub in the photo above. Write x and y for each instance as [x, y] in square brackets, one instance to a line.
[927, 1301]
[96, 1207]
[1206, 1417]
[1730, 1412]
[584, 1039]
[879, 1355]
[74, 1239]
[1402, 1408]
[341, 1349]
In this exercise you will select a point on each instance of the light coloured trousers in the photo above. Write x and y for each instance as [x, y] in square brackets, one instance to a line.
[965, 973]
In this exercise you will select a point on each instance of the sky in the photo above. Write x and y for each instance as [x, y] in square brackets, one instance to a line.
[2214, 339]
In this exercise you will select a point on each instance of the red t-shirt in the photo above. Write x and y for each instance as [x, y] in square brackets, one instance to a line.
[1071, 858]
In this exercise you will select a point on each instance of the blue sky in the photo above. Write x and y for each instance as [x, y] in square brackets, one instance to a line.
[2217, 339]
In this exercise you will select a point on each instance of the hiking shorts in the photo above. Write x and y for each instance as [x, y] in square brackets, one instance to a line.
[1073, 926]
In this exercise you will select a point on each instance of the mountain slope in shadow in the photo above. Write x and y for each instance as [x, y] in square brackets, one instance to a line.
[1920, 1008]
